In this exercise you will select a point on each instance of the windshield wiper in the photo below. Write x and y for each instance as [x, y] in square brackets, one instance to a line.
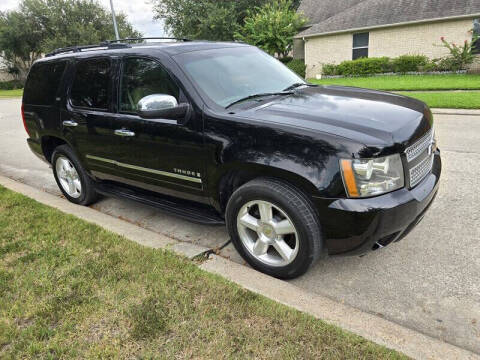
[257, 96]
[296, 85]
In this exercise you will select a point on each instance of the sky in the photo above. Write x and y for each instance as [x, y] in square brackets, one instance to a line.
[139, 13]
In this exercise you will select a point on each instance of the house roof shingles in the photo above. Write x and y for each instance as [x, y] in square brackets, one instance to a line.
[327, 16]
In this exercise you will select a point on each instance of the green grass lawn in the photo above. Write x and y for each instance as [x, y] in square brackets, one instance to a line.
[70, 289]
[409, 82]
[11, 93]
[447, 99]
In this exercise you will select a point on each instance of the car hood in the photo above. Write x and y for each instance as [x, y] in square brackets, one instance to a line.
[372, 118]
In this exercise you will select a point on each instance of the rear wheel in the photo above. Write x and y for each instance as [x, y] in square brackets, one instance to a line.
[274, 227]
[71, 178]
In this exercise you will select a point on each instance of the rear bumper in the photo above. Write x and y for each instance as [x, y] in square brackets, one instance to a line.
[356, 226]
[36, 148]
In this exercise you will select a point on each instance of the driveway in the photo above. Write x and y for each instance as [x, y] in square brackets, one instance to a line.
[430, 281]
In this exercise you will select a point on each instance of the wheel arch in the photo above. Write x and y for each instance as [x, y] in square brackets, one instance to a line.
[233, 176]
[49, 144]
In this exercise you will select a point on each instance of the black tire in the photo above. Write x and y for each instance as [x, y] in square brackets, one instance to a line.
[296, 206]
[88, 194]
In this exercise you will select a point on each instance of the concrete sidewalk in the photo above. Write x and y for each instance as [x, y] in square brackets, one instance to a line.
[471, 112]
[369, 326]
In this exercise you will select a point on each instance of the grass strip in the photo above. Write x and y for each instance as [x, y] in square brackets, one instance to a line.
[70, 289]
[11, 93]
[409, 82]
[448, 99]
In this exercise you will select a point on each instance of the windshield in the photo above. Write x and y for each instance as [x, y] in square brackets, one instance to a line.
[230, 74]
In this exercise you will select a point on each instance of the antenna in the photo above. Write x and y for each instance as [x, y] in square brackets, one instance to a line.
[114, 21]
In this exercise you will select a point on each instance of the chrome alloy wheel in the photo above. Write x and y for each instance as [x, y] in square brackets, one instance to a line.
[68, 177]
[267, 233]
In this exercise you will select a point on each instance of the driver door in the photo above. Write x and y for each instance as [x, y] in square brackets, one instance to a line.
[162, 155]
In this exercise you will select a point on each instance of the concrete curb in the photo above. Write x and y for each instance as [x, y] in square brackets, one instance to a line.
[470, 112]
[369, 326]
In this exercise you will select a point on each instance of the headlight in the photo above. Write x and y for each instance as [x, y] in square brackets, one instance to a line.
[370, 177]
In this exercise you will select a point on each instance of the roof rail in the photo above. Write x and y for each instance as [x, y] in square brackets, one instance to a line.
[147, 38]
[75, 49]
[109, 44]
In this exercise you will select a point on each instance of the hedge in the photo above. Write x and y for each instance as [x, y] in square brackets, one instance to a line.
[407, 63]
[365, 66]
[371, 66]
[11, 85]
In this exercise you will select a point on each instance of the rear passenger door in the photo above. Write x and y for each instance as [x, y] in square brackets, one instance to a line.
[162, 155]
[87, 118]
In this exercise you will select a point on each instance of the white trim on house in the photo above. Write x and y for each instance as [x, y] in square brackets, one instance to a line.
[367, 28]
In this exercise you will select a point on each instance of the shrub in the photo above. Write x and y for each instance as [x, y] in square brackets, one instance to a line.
[329, 69]
[286, 59]
[298, 66]
[364, 66]
[11, 85]
[431, 65]
[460, 55]
[406, 63]
[449, 63]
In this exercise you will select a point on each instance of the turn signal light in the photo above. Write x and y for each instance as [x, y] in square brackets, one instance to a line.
[349, 177]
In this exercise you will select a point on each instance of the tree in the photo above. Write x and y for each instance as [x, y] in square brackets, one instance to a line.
[40, 26]
[272, 27]
[20, 42]
[204, 19]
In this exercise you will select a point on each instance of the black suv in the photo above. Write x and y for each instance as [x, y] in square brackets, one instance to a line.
[223, 133]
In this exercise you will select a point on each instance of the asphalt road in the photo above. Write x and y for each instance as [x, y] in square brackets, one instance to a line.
[430, 281]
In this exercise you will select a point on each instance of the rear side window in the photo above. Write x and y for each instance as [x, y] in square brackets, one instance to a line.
[91, 83]
[42, 83]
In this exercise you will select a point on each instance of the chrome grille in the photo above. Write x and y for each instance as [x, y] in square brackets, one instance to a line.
[420, 146]
[421, 151]
[419, 171]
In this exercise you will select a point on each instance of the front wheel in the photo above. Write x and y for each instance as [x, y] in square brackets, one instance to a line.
[274, 227]
[71, 178]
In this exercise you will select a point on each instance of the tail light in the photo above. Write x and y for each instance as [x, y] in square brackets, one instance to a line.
[24, 122]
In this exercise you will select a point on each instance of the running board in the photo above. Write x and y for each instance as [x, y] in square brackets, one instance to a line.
[188, 210]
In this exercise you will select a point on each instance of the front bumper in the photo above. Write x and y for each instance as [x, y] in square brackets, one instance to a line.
[356, 226]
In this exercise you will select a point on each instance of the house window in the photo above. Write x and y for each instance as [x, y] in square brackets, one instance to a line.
[476, 34]
[360, 45]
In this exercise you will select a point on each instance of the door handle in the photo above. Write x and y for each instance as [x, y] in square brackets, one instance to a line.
[70, 123]
[124, 132]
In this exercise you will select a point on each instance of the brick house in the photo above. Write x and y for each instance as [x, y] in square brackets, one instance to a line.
[4, 74]
[341, 30]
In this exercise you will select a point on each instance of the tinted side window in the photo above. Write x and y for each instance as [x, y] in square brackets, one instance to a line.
[91, 83]
[42, 83]
[142, 77]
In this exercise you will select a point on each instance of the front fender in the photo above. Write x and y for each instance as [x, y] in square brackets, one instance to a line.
[306, 159]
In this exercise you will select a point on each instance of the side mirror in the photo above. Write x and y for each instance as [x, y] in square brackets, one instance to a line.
[161, 106]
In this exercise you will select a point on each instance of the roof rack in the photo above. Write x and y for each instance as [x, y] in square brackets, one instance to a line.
[147, 38]
[109, 44]
[75, 49]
